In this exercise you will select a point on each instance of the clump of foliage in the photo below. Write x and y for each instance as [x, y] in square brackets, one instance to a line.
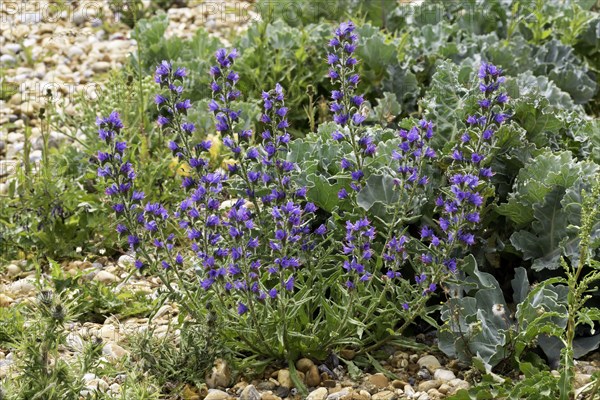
[42, 372]
[314, 211]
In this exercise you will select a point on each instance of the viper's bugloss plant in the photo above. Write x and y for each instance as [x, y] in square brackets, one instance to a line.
[247, 246]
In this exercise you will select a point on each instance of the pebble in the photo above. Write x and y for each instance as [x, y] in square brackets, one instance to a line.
[266, 385]
[385, 395]
[100, 66]
[313, 378]
[75, 51]
[339, 395]
[220, 376]
[582, 379]
[109, 333]
[424, 374]
[13, 270]
[304, 364]
[115, 388]
[458, 384]
[444, 388]
[348, 354]
[284, 378]
[87, 377]
[429, 362]
[379, 380]
[268, 396]
[97, 384]
[250, 393]
[105, 277]
[7, 59]
[282, 392]
[21, 288]
[319, 394]
[126, 261]
[409, 391]
[5, 300]
[113, 351]
[215, 394]
[444, 375]
[427, 385]
[12, 47]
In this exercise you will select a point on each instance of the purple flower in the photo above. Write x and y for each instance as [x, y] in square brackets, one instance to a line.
[242, 308]
[357, 175]
[289, 284]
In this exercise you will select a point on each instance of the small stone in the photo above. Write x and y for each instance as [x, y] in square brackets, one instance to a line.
[313, 378]
[427, 385]
[115, 388]
[423, 396]
[20, 288]
[282, 392]
[100, 66]
[164, 310]
[409, 391]
[363, 395]
[444, 388]
[329, 383]
[379, 380]
[7, 59]
[220, 376]
[444, 375]
[5, 301]
[348, 354]
[424, 374]
[97, 384]
[304, 364]
[105, 277]
[109, 333]
[385, 395]
[13, 270]
[398, 384]
[582, 379]
[434, 394]
[89, 377]
[319, 394]
[74, 52]
[339, 395]
[250, 393]
[126, 261]
[79, 18]
[215, 394]
[266, 385]
[268, 396]
[429, 362]
[284, 378]
[12, 47]
[113, 351]
[458, 384]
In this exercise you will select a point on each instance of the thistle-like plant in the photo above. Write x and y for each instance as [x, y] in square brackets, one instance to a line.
[43, 372]
[580, 278]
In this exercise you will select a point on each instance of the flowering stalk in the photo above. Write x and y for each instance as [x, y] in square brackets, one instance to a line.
[460, 206]
[224, 93]
[141, 223]
[345, 105]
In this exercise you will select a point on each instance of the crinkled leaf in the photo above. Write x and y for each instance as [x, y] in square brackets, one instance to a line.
[377, 189]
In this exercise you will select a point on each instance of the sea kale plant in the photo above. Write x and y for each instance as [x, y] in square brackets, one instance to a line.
[285, 276]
